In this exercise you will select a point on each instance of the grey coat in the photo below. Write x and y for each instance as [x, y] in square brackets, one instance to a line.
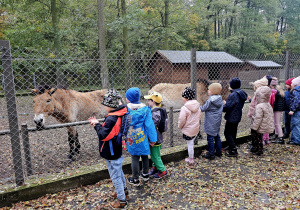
[213, 109]
[156, 119]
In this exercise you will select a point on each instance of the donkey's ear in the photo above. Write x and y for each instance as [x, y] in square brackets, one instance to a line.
[34, 91]
[51, 91]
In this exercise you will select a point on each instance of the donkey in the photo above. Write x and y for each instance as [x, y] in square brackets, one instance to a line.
[67, 106]
[171, 93]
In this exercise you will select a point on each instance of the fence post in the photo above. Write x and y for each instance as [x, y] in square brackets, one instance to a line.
[171, 126]
[12, 111]
[193, 70]
[287, 65]
[26, 145]
[89, 81]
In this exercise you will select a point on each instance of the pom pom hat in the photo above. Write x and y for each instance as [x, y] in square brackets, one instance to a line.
[189, 93]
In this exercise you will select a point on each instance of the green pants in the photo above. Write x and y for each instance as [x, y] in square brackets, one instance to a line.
[156, 158]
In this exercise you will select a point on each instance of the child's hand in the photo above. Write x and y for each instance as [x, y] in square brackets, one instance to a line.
[152, 143]
[93, 121]
[249, 98]
[291, 113]
[224, 102]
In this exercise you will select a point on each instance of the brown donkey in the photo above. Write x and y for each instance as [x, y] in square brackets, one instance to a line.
[67, 106]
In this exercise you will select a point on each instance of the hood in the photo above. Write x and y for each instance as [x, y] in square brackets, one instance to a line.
[122, 110]
[263, 94]
[242, 94]
[192, 105]
[216, 100]
[297, 88]
[135, 106]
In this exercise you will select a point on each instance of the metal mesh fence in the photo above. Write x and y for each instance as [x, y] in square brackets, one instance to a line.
[73, 78]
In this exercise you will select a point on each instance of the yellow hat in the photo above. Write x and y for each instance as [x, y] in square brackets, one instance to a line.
[155, 96]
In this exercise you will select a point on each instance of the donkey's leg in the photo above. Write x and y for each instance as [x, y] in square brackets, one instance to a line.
[73, 142]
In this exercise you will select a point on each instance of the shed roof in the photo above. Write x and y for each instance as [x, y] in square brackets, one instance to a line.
[201, 57]
[264, 64]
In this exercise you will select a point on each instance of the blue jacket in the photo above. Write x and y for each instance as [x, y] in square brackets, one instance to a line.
[234, 105]
[287, 98]
[213, 109]
[141, 130]
[295, 100]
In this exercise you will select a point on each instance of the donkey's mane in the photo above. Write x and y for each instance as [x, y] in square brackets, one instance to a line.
[41, 88]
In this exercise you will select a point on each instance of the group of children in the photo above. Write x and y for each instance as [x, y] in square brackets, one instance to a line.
[144, 138]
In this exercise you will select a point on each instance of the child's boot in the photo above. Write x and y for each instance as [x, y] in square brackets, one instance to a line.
[189, 160]
[232, 153]
[118, 204]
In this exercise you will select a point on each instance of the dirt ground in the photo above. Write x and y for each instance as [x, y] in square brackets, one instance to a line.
[271, 181]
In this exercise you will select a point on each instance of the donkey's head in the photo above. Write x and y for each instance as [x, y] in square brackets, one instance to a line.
[44, 104]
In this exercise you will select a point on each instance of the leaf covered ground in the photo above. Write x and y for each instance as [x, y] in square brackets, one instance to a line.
[247, 182]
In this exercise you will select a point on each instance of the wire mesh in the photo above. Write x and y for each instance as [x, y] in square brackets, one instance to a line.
[73, 78]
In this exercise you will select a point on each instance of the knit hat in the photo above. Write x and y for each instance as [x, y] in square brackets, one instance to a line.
[269, 78]
[133, 95]
[235, 83]
[289, 81]
[260, 83]
[296, 81]
[155, 96]
[215, 88]
[112, 98]
[189, 93]
[274, 81]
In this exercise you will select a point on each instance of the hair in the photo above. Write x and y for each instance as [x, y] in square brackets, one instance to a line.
[157, 104]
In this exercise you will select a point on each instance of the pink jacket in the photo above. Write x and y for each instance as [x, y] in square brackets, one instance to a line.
[189, 118]
[252, 107]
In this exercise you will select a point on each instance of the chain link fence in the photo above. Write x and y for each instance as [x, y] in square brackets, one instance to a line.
[66, 99]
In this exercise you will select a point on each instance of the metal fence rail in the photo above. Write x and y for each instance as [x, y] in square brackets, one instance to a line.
[26, 150]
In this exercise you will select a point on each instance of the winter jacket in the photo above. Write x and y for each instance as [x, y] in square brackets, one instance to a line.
[262, 120]
[295, 99]
[213, 109]
[156, 119]
[104, 132]
[279, 102]
[189, 118]
[287, 102]
[141, 130]
[252, 106]
[234, 105]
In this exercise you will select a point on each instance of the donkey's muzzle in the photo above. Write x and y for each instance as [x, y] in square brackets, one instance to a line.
[39, 121]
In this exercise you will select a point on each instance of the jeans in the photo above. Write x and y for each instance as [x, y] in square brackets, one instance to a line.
[135, 165]
[230, 134]
[214, 142]
[287, 123]
[117, 176]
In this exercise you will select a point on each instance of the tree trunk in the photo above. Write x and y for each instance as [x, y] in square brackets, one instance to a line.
[166, 25]
[128, 81]
[102, 47]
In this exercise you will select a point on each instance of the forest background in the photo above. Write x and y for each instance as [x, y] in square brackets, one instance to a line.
[134, 29]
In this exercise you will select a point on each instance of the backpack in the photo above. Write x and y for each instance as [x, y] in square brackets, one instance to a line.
[125, 124]
[163, 124]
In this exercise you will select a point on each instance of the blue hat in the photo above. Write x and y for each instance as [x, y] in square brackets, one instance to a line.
[235, 83]
[133, 95]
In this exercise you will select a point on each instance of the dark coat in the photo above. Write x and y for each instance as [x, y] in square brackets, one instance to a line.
[234, 105]
[279, 102]
[287, 102]
[103, 132]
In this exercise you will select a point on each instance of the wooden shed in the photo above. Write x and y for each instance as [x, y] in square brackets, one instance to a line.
[167, 66]
[254, 70]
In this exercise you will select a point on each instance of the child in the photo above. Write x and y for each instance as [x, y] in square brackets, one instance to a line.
[233, 108]
[257, 84]
[262, 119]
[109, 148]
[189, 119]
[158, 170]
[295, 112]
[141, 131]
[213, 109]
[287, 117]
[277, 102]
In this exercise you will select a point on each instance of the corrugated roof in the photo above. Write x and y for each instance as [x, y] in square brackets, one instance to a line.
[264, 64]
[201, 56]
